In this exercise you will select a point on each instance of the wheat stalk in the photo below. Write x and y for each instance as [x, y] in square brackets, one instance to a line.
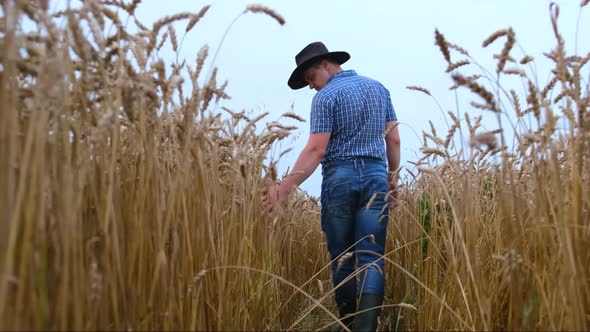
[267, 11]
[442, 45]
[195, 18]
[419, 88]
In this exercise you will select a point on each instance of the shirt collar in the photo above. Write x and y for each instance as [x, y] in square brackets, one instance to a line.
[344, 73]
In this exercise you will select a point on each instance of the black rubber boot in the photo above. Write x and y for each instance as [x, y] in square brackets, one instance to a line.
[344, 310]
[367, 320]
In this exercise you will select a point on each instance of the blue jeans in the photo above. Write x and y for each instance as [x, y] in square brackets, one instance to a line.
[347, 189]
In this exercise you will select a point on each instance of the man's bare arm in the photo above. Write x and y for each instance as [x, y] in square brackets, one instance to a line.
[306, 163]
[308, 160]
[392, 143]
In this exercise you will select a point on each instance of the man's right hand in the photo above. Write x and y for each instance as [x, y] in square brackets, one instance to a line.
[393, 194]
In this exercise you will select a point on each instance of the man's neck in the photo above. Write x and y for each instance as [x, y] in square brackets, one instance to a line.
[333, 70]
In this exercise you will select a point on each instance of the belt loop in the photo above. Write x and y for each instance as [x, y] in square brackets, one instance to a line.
[362, 163]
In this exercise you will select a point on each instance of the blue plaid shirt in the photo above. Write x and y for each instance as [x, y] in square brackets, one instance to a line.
[354, 109]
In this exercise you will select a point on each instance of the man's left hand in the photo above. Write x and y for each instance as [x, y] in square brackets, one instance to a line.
[273, 195]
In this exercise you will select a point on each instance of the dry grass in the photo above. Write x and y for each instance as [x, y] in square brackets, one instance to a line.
[501, 236]
[129, 198]
[124, 190]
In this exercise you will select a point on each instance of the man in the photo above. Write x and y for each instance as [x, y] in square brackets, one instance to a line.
[349, 115]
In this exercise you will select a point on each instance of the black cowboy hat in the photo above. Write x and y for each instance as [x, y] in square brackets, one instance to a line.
[311, 54]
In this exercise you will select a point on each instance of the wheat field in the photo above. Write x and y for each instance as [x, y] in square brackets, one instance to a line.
[130, 196]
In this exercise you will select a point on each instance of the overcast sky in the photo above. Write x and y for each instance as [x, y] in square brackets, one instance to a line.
[389, 40]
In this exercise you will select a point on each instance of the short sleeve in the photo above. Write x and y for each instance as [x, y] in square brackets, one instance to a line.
[322, 114]
[390, 112]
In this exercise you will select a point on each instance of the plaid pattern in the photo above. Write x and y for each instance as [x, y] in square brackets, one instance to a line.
[354, 109]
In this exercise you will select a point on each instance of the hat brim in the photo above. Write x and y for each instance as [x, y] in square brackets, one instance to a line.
[296, 80]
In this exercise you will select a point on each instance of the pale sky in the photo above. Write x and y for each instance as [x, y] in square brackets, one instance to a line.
[391, 41]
